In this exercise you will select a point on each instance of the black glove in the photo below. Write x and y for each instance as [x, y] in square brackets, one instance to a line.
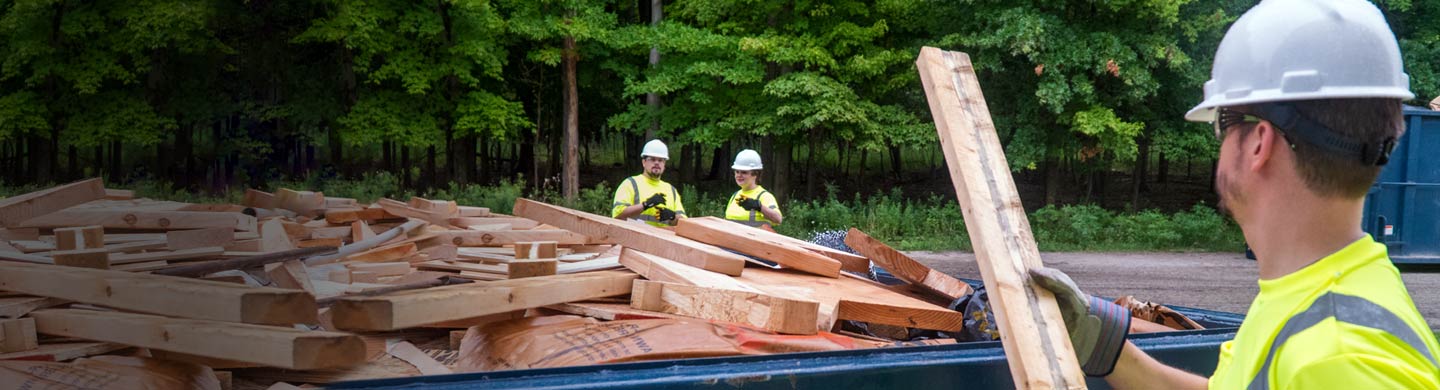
[1097, 327]
[667, 216]
[749, 204]
[655, 200]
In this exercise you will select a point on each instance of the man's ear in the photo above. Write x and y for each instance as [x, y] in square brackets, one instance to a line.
[1262, 145]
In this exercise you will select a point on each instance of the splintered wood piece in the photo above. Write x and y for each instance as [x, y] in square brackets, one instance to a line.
[437, 217]
[514, 222]
[905, 268]
[600, 264]
[634, 235]
[266, 345]
[441, 252]
[164, 295]
[536, 250]
[1032, 332]
[665, 270]
[186, 239]
[412, 308]
[87, 258]
[88, 237]
[531, 268]
[17, 209]
[17, 334]
[791, 316]
[142, 219]
[472, 238]
[756, 242]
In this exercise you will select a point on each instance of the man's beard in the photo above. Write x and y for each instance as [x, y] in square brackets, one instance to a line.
[652, 174]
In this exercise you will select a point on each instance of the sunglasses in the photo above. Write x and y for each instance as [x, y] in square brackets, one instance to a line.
[1227, 118]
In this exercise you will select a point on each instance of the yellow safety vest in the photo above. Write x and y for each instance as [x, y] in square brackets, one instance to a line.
[1344, 322]
[739, 214]
[636, 189]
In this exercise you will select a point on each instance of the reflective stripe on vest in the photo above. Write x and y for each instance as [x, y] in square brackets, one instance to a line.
[634, 190]
[1349, 309]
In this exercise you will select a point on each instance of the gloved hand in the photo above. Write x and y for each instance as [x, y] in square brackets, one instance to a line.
[655, 200]
[1097, 327]
[667, 216]
[748, 204]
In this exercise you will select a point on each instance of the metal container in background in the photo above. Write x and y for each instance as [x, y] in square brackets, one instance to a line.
[1402, 209]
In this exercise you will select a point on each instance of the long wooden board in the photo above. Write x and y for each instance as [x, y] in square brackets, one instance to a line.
[854, 299]
[17, 209]
[1032, 332]
[165, 295]
[142, 219]
[634, 235]
[665, 270]
[467, 238]
[514, 222]
[412, 308]
[756, 242]
[905, 268]
[790, 316]
[268, 345]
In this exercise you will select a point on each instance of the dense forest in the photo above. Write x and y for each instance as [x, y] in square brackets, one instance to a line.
[212, 95]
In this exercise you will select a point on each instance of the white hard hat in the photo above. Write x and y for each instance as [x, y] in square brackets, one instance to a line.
[747, 160]
[1284, 50]
[655, 148]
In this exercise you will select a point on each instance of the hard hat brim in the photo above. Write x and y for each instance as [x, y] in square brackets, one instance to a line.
[1205, 111]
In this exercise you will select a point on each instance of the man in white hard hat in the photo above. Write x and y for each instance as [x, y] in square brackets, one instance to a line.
[752, 205]
[1305, 98]
[645, 197]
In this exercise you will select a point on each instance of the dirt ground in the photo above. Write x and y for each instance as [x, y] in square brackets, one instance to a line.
[1215, 281]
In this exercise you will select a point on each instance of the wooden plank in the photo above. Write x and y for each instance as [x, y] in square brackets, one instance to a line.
[114, 194]
[85, 237]
[244, 262]
[529, 268]
[536, 250]
[382, 269]
[438, 216]
[791, 316]
[854, 299]
[441, 252]
[29, 246]
[634, 235]
[756, 242]
[323, 242]
[59, 352]
[198, 238]
[905, 268]
[514, 222]
[187, 254]
[20, 234]
[418, 307]
[273, 237]
[338, 232]
[609, 311]
[347, 216]
[1032, 332]
[267, 345]
[18, 334]
[498, 269]
[600, 264]
[142, 219]
[385, 254]
[15, 307]
[470, 238]
[473, 212]
[141, 267]
[290, 274]
[404, 229]
[17, 209]
[257, 198]
[665, 270]
[164, 295]
[87, 258]
[24, 258]
[301, 202]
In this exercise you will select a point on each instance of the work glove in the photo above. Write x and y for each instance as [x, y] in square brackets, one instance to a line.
[1097, 327]
[667, 216]
[655, 200]
[748, 204]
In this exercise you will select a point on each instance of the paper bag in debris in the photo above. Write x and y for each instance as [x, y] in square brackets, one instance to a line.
[107, 372]
[561, 341]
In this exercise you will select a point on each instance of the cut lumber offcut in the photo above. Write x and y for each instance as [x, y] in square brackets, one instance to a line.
[514, 222]
[529, 268]
[142, 219]
[634, 235]
[412, 308]
[337, 232]
[59, 352]
[441, 252]
[472, 238]
[472, 211]
[600, 264]
[18, 334]
[20, 234]
[301, 202]
[290, 274]
[187, 254]
[87, 237]
[321, 242]
[499, 269]
[197, 238]
[114, 194]
[1032, 332]
[756, 242]
[273, 237]
[665, 270]
[87, 258]
[364, 277]
[267, 345]
[258, 199]
[609, 311]
[141, 267]
[437, 217]
[367, 244]
[24, 258]
[348, 216]
[854, 299]
[905, 268]
[410, 354]
[385, 253]
[536, 250]
[195, 270]
[790, 316]
[15, 307]
[382, 269]
[164, 295]
[17, 209]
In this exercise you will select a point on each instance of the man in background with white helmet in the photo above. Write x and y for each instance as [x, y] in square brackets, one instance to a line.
[1305, 98]
[752, 205]
[645, 197]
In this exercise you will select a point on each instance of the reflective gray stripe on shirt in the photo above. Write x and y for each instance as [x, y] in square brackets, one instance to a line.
[634, 190]
[1348, 309]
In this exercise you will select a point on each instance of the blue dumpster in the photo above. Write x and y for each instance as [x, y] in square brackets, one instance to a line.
[1402, 209]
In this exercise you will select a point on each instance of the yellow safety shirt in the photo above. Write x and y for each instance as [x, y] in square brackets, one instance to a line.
[1344, 322]
[739, 214]
[636, 189]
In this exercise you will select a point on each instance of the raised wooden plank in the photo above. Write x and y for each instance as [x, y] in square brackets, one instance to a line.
[20, 234]
[142, 219]
[441, 252]
[257, 198]
[187, 254]
[15, 307]
[17, 335]
[470, 238]
[87, 258]
[665, 270]
[791, 316]
[266, 345]
[756, 242]
[412, 308]
[336, 232]
[17, 209]
[85, 237]
[905, 268]
[634, 235]
[855, 299]
[529, 268]
[198, 238]
[164, 295]
[59, 352]
[514, 222]
[498, 269]
[536, 250]
[1032, 332]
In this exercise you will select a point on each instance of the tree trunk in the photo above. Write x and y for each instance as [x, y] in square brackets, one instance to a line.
[1052, 180]
[429, 181]
[72, 172]
[527, 166]
[717, 161]
[570, 182]
[404, 165]
[895, 160]
[1162, 169]
[781, 173]
[1142, 165]
[100, 170]
[117, 170]
[811, 170]
[185, 155]
[652, 100]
